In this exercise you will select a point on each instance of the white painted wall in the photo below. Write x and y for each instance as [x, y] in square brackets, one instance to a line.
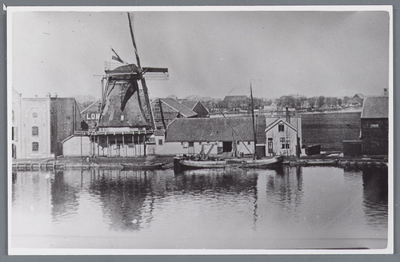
[41, 108]
[277, 146]
[16, 122]
[72, 147]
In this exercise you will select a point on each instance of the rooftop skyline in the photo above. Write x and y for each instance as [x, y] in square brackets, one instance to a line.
[213, 54]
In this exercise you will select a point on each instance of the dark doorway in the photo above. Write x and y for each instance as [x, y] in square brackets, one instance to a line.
[226, 146]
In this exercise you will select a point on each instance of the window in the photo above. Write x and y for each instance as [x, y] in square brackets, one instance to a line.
[160, 143]
[15, 134]
[35, 146]
[270, 146]
[191, 144]
[285, 142]
[35, 131]
[34, 115]
[248, 143]
[12, 133]
[281, 128]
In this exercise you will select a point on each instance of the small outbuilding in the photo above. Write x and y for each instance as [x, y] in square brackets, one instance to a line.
[375, 125]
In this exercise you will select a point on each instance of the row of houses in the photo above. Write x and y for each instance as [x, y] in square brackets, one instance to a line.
[53, 126]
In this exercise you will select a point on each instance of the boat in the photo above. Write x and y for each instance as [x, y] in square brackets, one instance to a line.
[185, 164]
[143, 166]
[263, 163]
[197, 164]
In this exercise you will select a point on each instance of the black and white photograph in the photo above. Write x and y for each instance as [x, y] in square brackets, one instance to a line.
[200, 130]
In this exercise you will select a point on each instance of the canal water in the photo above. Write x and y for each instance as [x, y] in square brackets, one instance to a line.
[287, 208]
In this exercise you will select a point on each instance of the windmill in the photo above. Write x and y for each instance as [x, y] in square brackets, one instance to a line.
[123, 80]
[125, 119]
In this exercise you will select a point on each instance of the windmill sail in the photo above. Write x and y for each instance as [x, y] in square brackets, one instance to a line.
[120, 106]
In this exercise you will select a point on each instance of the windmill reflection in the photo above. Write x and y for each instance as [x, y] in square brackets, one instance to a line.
[123, 195]
[128, 197]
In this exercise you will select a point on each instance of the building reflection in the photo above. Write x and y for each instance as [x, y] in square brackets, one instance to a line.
[285, 186]
[217, 181]
[122, 194]
[64, 196]
[128, 197]
[375, 192]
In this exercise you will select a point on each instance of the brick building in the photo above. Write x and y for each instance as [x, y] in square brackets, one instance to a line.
[375, 125]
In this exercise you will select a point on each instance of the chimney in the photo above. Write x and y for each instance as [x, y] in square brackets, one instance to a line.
[287, 115]
[385, 92]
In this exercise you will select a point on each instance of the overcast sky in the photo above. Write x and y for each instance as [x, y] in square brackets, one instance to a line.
[207, 53]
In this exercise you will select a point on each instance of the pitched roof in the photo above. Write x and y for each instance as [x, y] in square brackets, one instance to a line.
[277, 121]
[200, 109]
[91, 105]
[375, 107]
[188, 103]
[80, 106]
[159, 132]
[215, 129]
[234, 98]
[182, 109]
[359, 95]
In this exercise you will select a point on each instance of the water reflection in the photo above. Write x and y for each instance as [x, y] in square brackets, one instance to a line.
[122, 195]
[285, 188]
[64, 196]
[217, 181]
[290, 202]
[375, 185]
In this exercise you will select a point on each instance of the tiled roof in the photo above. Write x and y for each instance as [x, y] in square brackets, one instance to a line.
[158, 132]
[375, 107]
[215, 129]
[188, 103]
[182, 109]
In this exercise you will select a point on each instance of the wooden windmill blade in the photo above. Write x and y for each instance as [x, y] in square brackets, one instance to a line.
[142, 71]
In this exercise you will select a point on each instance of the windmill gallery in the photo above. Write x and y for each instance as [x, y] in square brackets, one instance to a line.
[136, 170]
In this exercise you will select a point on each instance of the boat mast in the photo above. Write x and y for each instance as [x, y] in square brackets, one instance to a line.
[252, 116]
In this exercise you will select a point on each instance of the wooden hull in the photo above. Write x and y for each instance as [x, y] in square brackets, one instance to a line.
[192, 164]
[263, 163]
[181, 164]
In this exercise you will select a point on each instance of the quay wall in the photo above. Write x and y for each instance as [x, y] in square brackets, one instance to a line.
[330, 129]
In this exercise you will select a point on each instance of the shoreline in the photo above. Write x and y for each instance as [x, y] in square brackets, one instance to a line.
[62, 163]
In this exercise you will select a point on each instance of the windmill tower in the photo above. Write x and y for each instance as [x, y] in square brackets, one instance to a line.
[126, 120]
